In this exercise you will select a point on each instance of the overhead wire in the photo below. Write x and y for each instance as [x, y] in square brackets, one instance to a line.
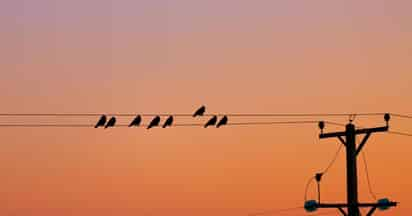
[287, 211]
[188, 115]
[400, 133]
[19, 124]
[275, 211]
[57, 125]
[334, 123]
[371, 193]
[309, 182]
[333, 159]
[324, 171]
[401, 115]
[176, 125]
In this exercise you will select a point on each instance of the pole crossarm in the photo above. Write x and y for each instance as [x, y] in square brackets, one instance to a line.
[362, 205]
[358, 131]
[333, 134]
[371, 130]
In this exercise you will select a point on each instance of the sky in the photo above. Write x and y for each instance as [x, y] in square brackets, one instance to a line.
[234, 56]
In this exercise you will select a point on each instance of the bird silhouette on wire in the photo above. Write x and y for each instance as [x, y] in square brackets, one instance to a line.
[200, 111]
[136, 121]
[211, 122]
[222, 122]
[111, 122]
[154, 123]
[168, 122]
[101, 122]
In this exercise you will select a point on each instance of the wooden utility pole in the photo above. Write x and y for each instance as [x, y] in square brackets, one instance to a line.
[352, 151]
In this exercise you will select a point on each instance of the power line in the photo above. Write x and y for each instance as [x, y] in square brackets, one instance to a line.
[335, 123]
[307, 187]
[333, 160]
[26, 125]
[400, 133]
[373, 195]
[271, 123]
[324, 171]
[175, 125]
[189, 115]
[47, 125]
[276, 211]
[285, 211]
[401, 115]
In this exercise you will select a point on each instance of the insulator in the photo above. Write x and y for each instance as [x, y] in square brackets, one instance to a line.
[384, 204]
[311, 205]
[321, 125]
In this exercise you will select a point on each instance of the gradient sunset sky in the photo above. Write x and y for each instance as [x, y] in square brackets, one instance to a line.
[234, 56]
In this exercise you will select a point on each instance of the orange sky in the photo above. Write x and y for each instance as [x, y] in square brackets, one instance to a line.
[172, 56]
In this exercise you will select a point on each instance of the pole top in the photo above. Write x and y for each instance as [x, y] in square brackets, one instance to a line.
[350, 126]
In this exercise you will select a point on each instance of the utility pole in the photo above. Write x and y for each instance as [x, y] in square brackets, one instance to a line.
[352, 151]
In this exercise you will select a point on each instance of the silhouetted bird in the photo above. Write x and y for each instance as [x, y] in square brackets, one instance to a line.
[211, 121]
[168, 122]
[136, 121]
[101, 122]
[154, 123]
[200, 111]
[111, 122]
[222, 121]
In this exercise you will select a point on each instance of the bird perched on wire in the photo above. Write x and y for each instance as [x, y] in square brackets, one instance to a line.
[200, 112]
[136, 121]
[101, 122]
[211, 122]
[168, 122]
[111, 122]
[222, 122]
[154, 123]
